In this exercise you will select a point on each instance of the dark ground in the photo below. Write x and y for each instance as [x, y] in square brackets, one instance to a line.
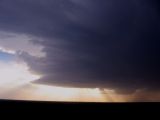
[13, 106]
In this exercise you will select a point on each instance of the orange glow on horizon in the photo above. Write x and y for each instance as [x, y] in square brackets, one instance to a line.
[51, 93]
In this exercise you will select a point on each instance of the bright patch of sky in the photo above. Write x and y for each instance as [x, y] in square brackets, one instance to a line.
[6, 57]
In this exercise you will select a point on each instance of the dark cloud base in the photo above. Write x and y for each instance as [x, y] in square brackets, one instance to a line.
[106, 44]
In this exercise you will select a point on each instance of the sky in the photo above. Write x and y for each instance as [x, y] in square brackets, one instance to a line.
[80, 50]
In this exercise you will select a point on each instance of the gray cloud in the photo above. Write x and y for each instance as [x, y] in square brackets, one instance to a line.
[107, 43]
[13, 43]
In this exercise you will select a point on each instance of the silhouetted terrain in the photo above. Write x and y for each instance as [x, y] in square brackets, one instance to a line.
[80, 107]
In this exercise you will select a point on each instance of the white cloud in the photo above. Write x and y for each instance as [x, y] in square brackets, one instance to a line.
[13, 75]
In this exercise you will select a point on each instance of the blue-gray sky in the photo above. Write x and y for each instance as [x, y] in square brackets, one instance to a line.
[6, 57]
[88, 43]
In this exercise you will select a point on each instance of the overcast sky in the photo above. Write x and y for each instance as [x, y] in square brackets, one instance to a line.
[106, 44]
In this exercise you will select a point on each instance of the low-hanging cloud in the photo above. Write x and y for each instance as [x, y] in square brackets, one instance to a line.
[106, 44]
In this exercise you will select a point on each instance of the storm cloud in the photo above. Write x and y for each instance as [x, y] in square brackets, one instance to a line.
[90, 43]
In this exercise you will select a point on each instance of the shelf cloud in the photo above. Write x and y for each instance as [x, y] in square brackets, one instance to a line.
[87, 44]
